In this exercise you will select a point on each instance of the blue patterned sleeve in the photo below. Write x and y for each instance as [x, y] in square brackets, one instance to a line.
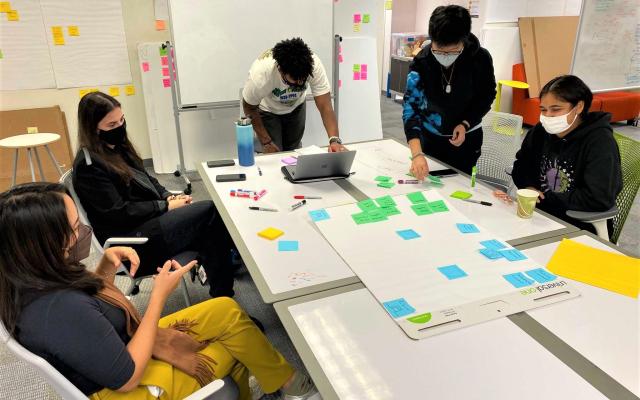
[414, 102]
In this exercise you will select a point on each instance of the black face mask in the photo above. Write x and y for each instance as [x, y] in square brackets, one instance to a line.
[114, 136]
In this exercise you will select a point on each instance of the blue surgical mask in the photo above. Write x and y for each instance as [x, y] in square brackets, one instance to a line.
[446, 60]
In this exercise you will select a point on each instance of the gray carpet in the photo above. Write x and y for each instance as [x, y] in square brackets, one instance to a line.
[19, 381]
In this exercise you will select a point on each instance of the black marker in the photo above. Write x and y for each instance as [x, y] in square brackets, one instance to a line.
[298, 205]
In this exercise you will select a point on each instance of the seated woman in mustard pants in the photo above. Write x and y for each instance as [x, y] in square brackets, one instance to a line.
[83, 325]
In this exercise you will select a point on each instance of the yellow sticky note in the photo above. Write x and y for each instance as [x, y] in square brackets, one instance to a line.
[13, 15]
[356, 27]
[270, 233]
[114, 91]
[32, 129]
[93, 90]
[83, 92]
[58, 35]
[129, 90]
[5, 6]
[595, 267]
[388, 5]
[160, 25]
[73, 30]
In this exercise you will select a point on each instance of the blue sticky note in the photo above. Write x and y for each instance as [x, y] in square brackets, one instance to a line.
[541, 275]
[518, 280]
[398, 308]
[468, 228]
[319, 215]
[408, 234]
[491, 254]
[512, 254]
[288, 245]
[452, 272]
[493, 244]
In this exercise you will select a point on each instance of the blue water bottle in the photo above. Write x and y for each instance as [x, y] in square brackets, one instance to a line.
[244, 136]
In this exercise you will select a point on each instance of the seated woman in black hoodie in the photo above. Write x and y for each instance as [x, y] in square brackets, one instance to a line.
[570, 157]
[122, 199]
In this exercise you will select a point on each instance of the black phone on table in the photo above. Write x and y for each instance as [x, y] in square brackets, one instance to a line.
[231, 177]
[443, 172]
[220, 163]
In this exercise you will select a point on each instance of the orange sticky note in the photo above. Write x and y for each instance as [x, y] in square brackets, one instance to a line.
[73, 30]
[114, 91]
[129, 90]
[58, 35]
[13, 15]
[270, 233]
[5, 6]
[160, 25]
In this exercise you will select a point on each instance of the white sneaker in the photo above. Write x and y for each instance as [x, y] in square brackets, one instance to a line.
[302, 388]
[255, 388]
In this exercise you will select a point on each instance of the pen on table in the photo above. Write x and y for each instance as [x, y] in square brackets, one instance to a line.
[262, 209]
[298, 205]
[408, 181]
[259, 170]
[484, 203]
[299, 197]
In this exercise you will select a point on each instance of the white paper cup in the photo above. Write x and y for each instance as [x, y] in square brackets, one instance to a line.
[526, 199]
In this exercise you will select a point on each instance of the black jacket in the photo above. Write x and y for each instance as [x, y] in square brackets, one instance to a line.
[578, 172]
[427, 107]
[113, 207]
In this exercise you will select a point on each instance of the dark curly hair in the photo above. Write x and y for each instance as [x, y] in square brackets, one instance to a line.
[449, 25]
[294, 58]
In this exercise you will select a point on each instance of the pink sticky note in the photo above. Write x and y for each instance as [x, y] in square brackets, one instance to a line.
[166, 82]
[340, 49]
[357, 18]
[363, 67]
[290, 160]
[164, 60]
[363, 76]
[356, 76]
[165, 71]
[339, 83]
[145, 67]
[340, 59]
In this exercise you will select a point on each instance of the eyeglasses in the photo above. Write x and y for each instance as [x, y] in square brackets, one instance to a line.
[447, 53]
[294, 85]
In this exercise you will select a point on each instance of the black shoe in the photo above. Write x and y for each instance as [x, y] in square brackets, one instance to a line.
[258, 323]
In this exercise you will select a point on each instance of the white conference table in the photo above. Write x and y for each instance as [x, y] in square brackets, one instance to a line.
[316, 266]
[354, 350]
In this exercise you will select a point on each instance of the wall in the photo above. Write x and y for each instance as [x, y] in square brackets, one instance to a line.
[139, 24]
[424, 9]
[404, 16]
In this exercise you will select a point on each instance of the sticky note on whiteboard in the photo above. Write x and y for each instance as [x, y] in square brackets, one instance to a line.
[165, 71]
[166, 83]
[145, 67]
[357, 18]
[356, 76]
[114, 91]
[58, 35]
[129, 90]
[164, 60]
[13, 15]
[73, 30]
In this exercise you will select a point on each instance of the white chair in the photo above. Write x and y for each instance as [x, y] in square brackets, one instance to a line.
[182, 258]
[501, 140]
[220, 389]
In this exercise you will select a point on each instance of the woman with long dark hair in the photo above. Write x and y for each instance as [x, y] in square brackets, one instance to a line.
[85, 328]
[122, 199]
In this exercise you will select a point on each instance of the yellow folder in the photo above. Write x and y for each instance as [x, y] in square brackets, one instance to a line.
[604, 269]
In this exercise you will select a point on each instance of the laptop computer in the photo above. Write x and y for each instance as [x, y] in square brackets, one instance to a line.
[320, 167]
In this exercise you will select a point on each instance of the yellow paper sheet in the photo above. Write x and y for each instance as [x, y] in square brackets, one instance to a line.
[604, 269]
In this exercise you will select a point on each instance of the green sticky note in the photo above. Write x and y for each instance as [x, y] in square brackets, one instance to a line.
[411, 174]
[367, 205]
[389, 211]
[435, 179]
[163, 51]
[386, 185]
[438, 206]
[356, 67]
[416, 197]
[382, 178]
[459, 194]
[377, 215]
[366, 19]
[361, 218]
[422, 209]
[1, 55]
[386, 201]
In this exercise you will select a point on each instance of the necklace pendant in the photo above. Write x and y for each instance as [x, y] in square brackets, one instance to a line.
[448, 88]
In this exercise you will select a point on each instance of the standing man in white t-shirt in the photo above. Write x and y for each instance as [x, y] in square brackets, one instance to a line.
[274, 96]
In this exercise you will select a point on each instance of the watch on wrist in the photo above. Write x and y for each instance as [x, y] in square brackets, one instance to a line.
[335, 139]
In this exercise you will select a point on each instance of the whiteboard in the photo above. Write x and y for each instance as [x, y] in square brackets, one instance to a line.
[216, 41]
[607, 51]
[98, 55]
[511, 10]
[25, 62]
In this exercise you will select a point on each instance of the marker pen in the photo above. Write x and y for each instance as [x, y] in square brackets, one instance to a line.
[408, 181]
[298, 205]
[258, 196]
[299, 197]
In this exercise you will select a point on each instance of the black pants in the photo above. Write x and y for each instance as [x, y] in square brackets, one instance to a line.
[462, 158]
[286, 130]
[195, 227]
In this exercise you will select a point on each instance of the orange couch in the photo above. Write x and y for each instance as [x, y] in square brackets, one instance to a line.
[623, 106]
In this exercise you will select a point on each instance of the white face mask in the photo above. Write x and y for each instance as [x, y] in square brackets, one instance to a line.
[446, 60]
[557, 124]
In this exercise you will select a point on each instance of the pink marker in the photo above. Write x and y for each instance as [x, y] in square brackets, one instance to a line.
[258, 196]
[408, 181]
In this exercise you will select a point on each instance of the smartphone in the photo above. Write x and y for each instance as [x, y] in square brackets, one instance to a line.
[220, 163]
[443, 172]
[231, 178]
